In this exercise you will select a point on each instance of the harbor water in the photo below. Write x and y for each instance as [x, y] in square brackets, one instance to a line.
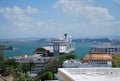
[27, 49]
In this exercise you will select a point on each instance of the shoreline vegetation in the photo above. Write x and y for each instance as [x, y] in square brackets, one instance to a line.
[3, 47]
[14, 71]
[116, 61]
[52, 66]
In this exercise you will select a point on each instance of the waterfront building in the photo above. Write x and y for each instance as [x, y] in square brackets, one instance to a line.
[37, 60]
[106, 48]
[71, 64]
[39, 64]
[98, 59]
[41, 51]
[80, 64]
[88, 74]
[26, 58]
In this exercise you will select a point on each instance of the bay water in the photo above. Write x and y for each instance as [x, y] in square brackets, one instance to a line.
[27, 49]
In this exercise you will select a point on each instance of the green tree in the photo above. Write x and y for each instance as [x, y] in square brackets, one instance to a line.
[8, 67]
[68, 56]
[56, 62]
[2, 59]
[44, 75]
[116, 60]
[17, 72]
[27, 66]
[52, 66]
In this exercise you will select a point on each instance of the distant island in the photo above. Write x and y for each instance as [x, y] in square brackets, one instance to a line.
[46, 40]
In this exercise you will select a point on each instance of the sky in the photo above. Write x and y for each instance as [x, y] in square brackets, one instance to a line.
[51, 18]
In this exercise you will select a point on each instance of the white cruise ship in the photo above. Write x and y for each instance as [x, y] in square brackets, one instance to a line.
[66, 44]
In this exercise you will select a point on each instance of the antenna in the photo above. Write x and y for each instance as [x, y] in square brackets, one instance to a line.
[65, 35]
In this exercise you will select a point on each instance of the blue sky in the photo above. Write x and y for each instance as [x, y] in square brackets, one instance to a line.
[51, 18]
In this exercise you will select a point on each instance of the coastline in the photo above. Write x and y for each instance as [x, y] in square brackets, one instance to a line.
[22, 49]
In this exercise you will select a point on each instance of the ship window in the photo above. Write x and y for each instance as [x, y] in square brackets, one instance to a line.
[56, 47]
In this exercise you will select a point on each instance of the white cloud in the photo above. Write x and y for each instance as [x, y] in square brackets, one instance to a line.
[40, 23]
[83, 11]
[88, 20]
[17, 14]
[21, 21]
[117, 1]
[21, 17]
[31, 10]
[78, 18]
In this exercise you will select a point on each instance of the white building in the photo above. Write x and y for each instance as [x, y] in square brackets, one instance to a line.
[79, 64]
[38, 61]
[71, 64]
[90, 60]
[26, 58]
[100, 59]
[88, 74]
[39, 64]
[106, 48]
